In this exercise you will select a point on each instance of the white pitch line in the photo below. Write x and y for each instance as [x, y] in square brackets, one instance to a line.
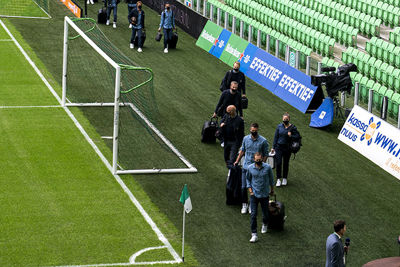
[6, 107]
[146, 216]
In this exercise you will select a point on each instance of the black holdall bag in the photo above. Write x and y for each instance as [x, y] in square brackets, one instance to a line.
[208, 131]
[295, 143]
[245, 102]
[158, 36]
[276, 214]
[173, 41]
[102, 16]
[234, 186]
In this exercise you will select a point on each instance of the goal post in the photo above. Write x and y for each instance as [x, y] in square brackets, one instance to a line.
[127, 98]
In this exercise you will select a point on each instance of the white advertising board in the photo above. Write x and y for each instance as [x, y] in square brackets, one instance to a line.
[374, 138]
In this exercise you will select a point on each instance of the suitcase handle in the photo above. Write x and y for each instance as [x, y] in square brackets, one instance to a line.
[216, 119]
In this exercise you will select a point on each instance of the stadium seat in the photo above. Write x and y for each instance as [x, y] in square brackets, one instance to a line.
[376, 96]
[395, 102]
[390, 77]
[396, 80]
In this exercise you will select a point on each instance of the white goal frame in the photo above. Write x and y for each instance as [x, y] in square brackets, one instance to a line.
[116, 104]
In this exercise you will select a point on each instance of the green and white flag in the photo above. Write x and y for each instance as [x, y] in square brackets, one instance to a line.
[185, 199]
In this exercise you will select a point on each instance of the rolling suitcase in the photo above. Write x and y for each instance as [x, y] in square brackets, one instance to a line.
[136, 41]
[234, 186]
[245, 102]
[209, 129]
[102, 16]
[276, 214]
[174, 40]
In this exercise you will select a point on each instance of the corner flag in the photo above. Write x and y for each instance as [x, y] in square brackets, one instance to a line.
[185, 199]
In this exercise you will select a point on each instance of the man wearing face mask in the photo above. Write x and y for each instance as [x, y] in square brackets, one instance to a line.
[251, 144]
[136, 17]
[167, 24]
[232, 127]
[285, 131]
[229, 97]
[259, 179]
[234, 75]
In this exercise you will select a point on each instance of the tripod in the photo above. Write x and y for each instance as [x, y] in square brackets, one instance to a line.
[338, 109]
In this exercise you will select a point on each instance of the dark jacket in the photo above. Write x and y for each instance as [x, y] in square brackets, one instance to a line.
[282, 139]
[237, 77]
[227, 99]
[233, 130]
[135, 13]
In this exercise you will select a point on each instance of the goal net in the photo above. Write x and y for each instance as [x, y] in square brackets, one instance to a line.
[25, 8]
[118, 100]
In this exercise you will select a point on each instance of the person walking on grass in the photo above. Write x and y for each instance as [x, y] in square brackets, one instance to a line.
[284, 133]
[167, 23]
[112, 5]
[252, 144]
[137, 20]
[259, 178]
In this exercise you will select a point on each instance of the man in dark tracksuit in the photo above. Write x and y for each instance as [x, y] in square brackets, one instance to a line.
[232, 127]
[234, 75]
[229, 97]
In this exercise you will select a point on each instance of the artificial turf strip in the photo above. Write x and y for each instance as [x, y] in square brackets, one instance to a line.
[328, 180]
[60, 205]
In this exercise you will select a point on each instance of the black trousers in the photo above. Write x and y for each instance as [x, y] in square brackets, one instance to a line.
[282, 157]
[231, 149]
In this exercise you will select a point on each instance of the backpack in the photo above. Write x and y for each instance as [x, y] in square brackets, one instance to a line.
[295, 143]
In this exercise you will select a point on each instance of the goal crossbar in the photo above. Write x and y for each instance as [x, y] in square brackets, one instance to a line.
[117, 104]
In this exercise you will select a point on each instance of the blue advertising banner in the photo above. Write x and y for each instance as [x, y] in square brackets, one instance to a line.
[286, 82]
[220, 44]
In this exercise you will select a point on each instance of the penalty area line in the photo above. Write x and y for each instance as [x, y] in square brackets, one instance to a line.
[137, 204]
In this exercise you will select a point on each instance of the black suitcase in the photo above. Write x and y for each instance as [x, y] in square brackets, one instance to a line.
[245, 102]
[276, 214]
[234, 186]
[136, 41]
[209, 129]
[174, 40]
[102, 16]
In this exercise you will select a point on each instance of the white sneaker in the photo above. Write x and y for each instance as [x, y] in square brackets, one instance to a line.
[254, 238]
[284, 181]
[130, 26]
[107, 22]
[166, 50]
[222, 144]
[91, 1]
[264, 228]
[131, 46]
[88, 2]
[244, 208]
[114, 25]
[249, 209]
[139, 50]
[278, 182]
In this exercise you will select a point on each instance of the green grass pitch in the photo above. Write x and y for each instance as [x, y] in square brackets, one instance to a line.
[21, 8]
[328, 180]
[60, 204]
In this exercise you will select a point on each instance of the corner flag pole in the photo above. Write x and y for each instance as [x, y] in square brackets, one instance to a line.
[183, 236]
[187, 207]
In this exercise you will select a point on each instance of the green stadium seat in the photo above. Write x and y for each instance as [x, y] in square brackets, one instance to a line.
[390, 78]
[380, 71]
[376, 96]
[391, 104]
[363, 89]
[374, 71]
[396, 80]
[395, 102]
